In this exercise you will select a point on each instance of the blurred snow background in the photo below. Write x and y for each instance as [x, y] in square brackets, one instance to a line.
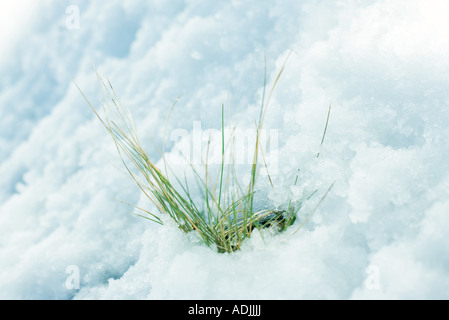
[384, 66]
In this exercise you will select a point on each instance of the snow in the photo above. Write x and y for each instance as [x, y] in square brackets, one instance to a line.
[382, 65]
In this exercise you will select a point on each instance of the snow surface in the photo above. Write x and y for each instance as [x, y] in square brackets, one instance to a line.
[381, 233]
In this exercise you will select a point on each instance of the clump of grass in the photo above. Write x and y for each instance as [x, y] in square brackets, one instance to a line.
[227, 215]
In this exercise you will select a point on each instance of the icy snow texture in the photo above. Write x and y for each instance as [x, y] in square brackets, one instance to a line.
[384, 66]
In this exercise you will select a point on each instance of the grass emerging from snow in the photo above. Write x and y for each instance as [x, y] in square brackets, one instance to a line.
[226, 216]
